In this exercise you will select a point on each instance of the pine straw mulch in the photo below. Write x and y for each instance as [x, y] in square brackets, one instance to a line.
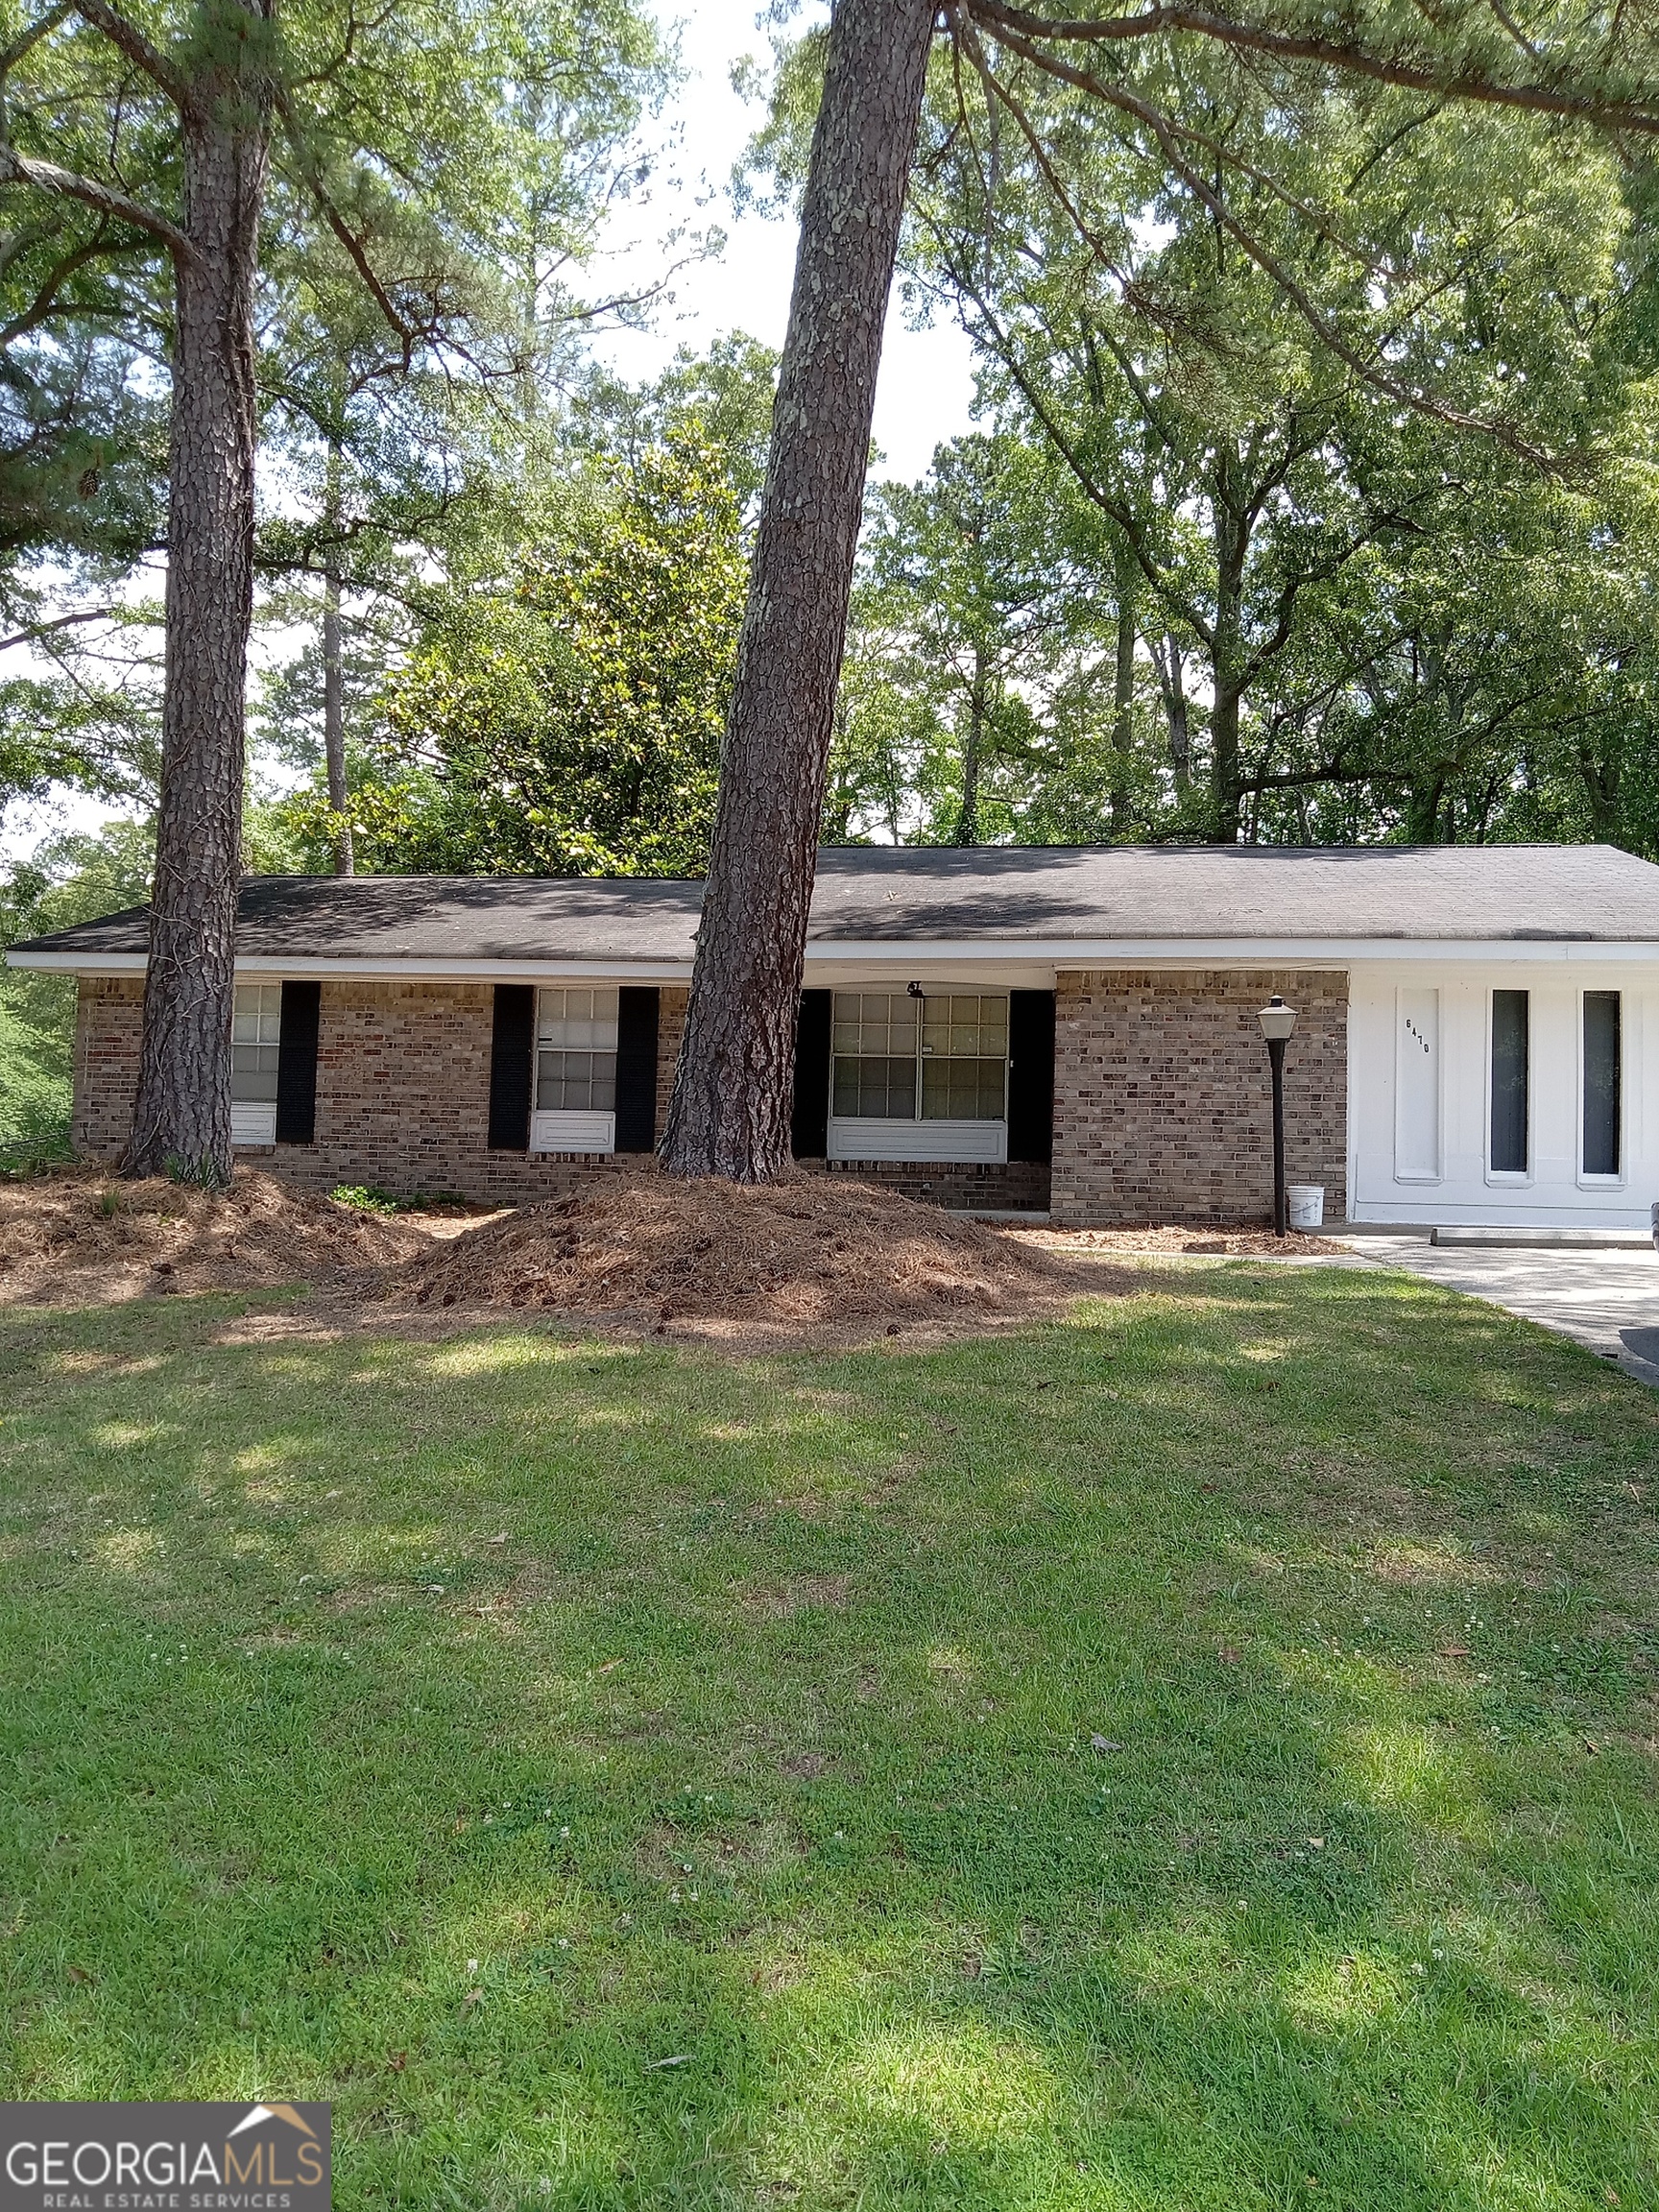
[814, 1258]
[813, 1253]
[79, 1238]
[1169, 1242]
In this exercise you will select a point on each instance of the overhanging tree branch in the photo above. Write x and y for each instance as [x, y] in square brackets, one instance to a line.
[31, 35]
[45, 300]
[69, 184]
[37, 631]
[127, 39]
[1606, 112]
[1167, 132]
[311, 175]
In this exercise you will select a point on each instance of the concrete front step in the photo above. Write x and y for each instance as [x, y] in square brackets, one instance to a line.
[1522, 1240]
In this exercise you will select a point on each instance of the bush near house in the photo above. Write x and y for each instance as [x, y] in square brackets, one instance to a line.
[71, 878]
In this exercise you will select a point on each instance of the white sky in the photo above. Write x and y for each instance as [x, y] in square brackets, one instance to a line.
[926, 390]
[927, 385]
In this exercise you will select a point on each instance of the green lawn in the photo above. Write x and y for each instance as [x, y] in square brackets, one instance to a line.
[732, 1833]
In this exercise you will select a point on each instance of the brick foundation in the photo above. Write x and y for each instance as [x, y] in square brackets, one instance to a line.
[1020, 1186]
[1163, 1103]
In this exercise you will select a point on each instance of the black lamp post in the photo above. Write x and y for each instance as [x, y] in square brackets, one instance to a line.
[1277, 1022]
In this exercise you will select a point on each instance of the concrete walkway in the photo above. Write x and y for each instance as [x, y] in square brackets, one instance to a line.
[1608, 1301]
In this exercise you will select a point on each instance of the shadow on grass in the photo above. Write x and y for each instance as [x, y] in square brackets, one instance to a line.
[1197, 1755]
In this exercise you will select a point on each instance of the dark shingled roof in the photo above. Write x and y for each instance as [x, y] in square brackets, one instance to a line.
[1504, 893]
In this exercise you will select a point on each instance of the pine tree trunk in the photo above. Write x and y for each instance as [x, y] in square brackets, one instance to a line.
[968, 821]
[1227, 654]
[1170, 661]
[730, 1109]
[1123, 701]
[181, 1119]
[334, 724]
[334, 679]
[1224, 792]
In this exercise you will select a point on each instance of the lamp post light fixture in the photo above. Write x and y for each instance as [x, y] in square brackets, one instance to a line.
[1277, 1022]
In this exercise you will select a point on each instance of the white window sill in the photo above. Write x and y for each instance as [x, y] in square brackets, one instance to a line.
[564, 1132]
[253, 1124]
[1508, 1179]
[853, 1137]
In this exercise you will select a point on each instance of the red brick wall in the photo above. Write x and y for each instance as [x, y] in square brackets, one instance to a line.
[671, 1004]
[1020, 1186]
[109, 1012]
[402, 1090]
[1163, 1103]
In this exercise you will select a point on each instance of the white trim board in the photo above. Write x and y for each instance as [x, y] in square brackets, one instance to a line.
[389, 971]
[1232, 951]
[253, 1124]
[560, 1131]
[829, 960]
[927, 1143]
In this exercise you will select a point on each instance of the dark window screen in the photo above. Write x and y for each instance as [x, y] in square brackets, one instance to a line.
[1510, 1045]
[1601, 1101]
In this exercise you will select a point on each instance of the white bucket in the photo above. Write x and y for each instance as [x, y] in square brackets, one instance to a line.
[1304, 1204]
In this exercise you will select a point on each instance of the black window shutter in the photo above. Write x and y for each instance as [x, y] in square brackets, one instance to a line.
[809, 1129]
[636, 1070]
[511, 1052]
[297, 1064]
[1030, 1074]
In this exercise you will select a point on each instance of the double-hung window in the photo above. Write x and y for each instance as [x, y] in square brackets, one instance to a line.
[919, 1077]
[256, 1048]
[1603, 1100]
[576, 1108]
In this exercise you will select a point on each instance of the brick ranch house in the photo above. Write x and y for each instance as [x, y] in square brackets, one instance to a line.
[1051, 1028]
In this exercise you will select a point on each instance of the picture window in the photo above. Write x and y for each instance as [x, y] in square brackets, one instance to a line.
[941, 1057]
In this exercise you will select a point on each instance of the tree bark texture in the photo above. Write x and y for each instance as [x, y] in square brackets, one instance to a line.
[1123, 700]
[182, 1119]
[1232, 543]
[731, 1109]
[973, 751]
[334, 682]
[334, 725]
[1169, 661]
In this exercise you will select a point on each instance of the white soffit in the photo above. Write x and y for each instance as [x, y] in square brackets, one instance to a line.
[848, 961]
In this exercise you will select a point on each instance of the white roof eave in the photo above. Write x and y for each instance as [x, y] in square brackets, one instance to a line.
[911, 956]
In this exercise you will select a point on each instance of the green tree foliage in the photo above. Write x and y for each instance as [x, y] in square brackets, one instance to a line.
[722, 399]
[546, 501]
[71, 878]
[1356, 383]
[87, 714]
[404, 443]
[569, 720]
[971, 611]
[1305, 431]
[438, 176]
